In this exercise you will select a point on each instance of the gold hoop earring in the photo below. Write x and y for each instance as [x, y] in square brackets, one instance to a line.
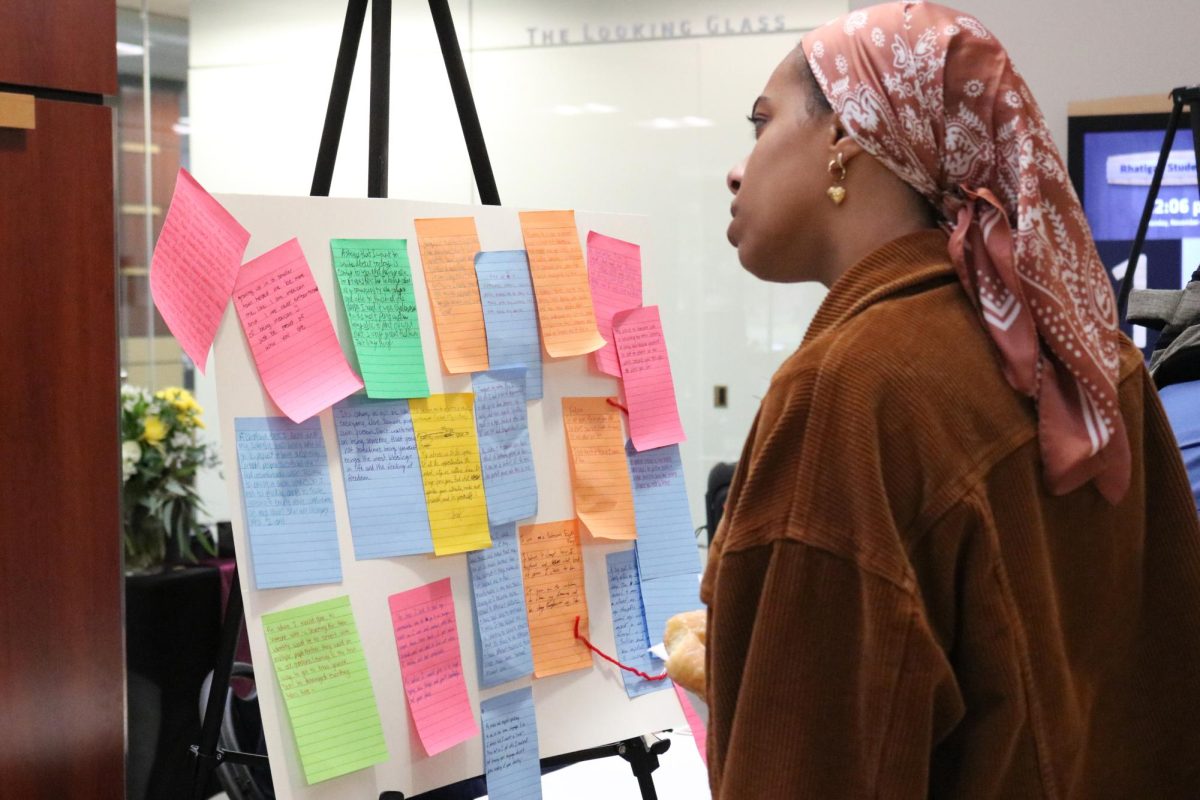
[837, 193]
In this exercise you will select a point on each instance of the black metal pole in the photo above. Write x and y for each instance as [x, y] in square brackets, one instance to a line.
[381, 73]
[210, 730]
[468, 116]
[339, 92]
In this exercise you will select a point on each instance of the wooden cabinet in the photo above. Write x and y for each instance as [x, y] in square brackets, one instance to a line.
[68, 45]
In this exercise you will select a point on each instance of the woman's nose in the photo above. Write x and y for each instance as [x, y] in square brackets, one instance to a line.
[734, 179]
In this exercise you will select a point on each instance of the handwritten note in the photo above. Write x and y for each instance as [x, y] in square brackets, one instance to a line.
[322, 674]
[377, 292]
[663, 598]
[599, 473]
[552, 567]
[501, 619]
[288, 501]
[504, 449]
[560, 281]
[666, 539]
[697, 726]
[195, 266]
[615, 275]
[646, 375]
[298, 356]
[449, 451]
[629, 624]
[384, 491]
[510, 746]
[508, 309]
[448, 248]
[431, 665]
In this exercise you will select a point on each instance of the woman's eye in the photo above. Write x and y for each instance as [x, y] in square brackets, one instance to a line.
[758, 121]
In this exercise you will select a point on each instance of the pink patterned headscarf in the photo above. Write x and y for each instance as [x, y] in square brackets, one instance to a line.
[932, 95]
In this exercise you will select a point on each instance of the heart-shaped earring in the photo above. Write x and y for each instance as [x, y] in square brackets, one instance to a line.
[837, 194]
[837, 168]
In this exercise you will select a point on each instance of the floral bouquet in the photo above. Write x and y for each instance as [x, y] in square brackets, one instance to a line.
[161, 452]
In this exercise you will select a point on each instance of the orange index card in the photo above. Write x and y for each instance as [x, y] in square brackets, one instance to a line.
[448, 246]
[552, 568]
[448, 448]
[431, 665]
[291, 336]
[599, 470]
[560, 283]
[646, 376]
[615, 274]
[195, 266]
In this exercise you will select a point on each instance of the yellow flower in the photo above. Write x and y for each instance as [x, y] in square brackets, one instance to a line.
[154, 430]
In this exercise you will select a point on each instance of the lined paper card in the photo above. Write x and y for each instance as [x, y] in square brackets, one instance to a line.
[322, 674]
[382, 473]
[510, 746]
[431, 665]
[506, 291]
[552, 568]
[448, 247]
[501, 620]
[444, 425]
[663, 598]
[615, 275]
[288, 501]
[377, 291]
[195, 266]
[291, 336]
[666, 539]
[560, 282]
[629, 624]
[599, 472]
[698, 727]
[504, 449]
[646, 375]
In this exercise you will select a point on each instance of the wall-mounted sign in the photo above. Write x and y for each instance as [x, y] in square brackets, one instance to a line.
[636, 31]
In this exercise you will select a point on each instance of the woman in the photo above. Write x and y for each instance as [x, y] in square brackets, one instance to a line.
[958, 558]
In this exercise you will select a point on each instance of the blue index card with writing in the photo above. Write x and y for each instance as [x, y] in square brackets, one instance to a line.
[666, 541]
[288, 501]
[510, 746]
[663, 598]
[629, 624]
[501, 624]
[509, 314]
[504, 450]
[382, 473]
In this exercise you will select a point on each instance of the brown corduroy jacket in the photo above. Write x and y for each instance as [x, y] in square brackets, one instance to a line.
[898, 608]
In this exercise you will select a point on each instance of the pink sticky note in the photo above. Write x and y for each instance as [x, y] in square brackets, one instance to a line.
[615, 275]
[699, 729]
[646, 376]
[431, 665]
[291, 336]
[195, 266]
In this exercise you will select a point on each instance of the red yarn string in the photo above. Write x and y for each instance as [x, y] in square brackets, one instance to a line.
[609, 658]
[615, 404]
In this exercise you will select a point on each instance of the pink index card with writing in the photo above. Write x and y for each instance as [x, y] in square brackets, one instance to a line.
[195, 266]
[291, 336]
[646, 376]
[431, 665]
[615, 275]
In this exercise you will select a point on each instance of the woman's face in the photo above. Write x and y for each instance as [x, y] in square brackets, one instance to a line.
[780, 208]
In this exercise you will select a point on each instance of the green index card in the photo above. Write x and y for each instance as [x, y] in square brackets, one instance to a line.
[322, 673]
[377, 291]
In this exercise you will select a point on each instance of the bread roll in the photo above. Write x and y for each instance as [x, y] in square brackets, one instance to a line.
[684, 639]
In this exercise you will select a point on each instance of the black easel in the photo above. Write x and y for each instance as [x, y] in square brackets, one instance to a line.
[641, 753]
[1180, 97]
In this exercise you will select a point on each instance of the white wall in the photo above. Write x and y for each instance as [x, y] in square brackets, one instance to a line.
[646, 127]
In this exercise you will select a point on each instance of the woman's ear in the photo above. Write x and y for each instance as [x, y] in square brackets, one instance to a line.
[842, 142]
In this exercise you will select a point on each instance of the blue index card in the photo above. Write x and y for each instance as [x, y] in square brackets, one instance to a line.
[629, 624]
[384, 491]
[666, 541]
[510, 746]
[288, 501]
[504, 450]
[509, 314]
[663, 598]
[501, 624]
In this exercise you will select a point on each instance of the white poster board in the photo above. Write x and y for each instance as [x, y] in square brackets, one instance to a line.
[575, 710]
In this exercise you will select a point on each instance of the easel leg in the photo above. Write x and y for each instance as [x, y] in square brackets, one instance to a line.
[210, 730]
[643, 761]
[339, 92]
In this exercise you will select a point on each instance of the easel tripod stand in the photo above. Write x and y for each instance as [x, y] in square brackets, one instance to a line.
[641, 752]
